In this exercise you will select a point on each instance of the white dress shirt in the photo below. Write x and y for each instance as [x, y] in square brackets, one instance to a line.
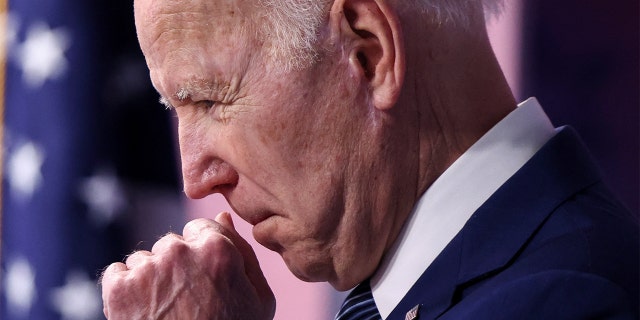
[450, 201]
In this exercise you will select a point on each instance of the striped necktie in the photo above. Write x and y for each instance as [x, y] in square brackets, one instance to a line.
[359, 305]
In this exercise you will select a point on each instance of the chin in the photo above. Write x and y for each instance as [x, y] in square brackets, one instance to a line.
[305, 269]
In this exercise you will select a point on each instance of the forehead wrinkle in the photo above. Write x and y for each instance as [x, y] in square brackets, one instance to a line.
[182, 40]
[161, 24]
[181, 37]
[197, 15]
[203, 15]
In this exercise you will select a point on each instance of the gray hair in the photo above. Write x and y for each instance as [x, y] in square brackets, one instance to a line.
[292, 26]
[292, 30]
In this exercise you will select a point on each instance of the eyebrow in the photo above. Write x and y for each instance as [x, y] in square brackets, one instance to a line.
[165, 102]
[185, 93]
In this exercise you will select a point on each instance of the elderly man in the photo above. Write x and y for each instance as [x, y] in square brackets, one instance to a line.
[372, 143]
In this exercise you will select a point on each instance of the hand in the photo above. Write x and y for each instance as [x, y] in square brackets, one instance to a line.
[208, 273]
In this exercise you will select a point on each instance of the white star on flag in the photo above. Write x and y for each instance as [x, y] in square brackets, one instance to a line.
[11, 24]
[103, 194]
[41, 56]
[79, 299]
[24, 169]
[20, 288]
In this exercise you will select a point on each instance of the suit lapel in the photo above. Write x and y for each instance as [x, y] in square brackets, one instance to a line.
[433, 290]
[503, 225]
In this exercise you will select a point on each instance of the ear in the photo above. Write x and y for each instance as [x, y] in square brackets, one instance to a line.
[372, 34]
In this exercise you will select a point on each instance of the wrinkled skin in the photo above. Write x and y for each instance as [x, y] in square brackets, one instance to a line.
[190, 277]
[297, 154]
[302, 155]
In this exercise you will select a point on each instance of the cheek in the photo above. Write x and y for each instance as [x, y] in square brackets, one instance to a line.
[305, 115]
[283, 129]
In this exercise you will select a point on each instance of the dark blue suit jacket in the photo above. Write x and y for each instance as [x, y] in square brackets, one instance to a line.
[551, 243]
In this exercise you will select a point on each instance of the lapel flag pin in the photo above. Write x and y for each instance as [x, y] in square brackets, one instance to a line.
[413, 313]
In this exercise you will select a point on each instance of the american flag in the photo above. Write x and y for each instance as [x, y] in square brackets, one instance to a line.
[78, 160]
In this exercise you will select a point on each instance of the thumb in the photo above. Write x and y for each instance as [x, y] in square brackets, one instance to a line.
[251, 264]
[224, 219]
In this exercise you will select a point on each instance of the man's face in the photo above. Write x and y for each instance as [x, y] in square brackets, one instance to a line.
[286, 149]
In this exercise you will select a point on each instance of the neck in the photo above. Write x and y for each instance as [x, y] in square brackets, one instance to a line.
[459, 93]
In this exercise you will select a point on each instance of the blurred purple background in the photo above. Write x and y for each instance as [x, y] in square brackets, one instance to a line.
[95, 127]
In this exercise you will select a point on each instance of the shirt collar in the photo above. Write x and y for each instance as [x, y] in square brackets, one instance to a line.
[445, 207]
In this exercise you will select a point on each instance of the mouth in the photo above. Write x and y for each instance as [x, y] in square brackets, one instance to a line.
[253, 216]
[262, 221]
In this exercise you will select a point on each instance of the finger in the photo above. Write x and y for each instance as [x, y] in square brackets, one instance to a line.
[251, 264]
[114, 268]
[223, 225]
[203, 229]
[224, 218]
[195, 228]
[166, 243]
[110, 275]
[137, 258]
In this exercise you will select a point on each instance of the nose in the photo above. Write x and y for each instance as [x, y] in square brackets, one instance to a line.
[203, 170]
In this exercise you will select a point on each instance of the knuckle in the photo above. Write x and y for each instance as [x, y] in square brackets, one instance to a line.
[137, 258]
[170, 244]
[221, 254]
[195, 228]
[119, 285]
[106, 277]
[114, 285]
[198, 223]
[217, 242]
[112, 271]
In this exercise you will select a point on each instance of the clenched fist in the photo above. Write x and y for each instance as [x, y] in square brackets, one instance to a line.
[209, 272]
